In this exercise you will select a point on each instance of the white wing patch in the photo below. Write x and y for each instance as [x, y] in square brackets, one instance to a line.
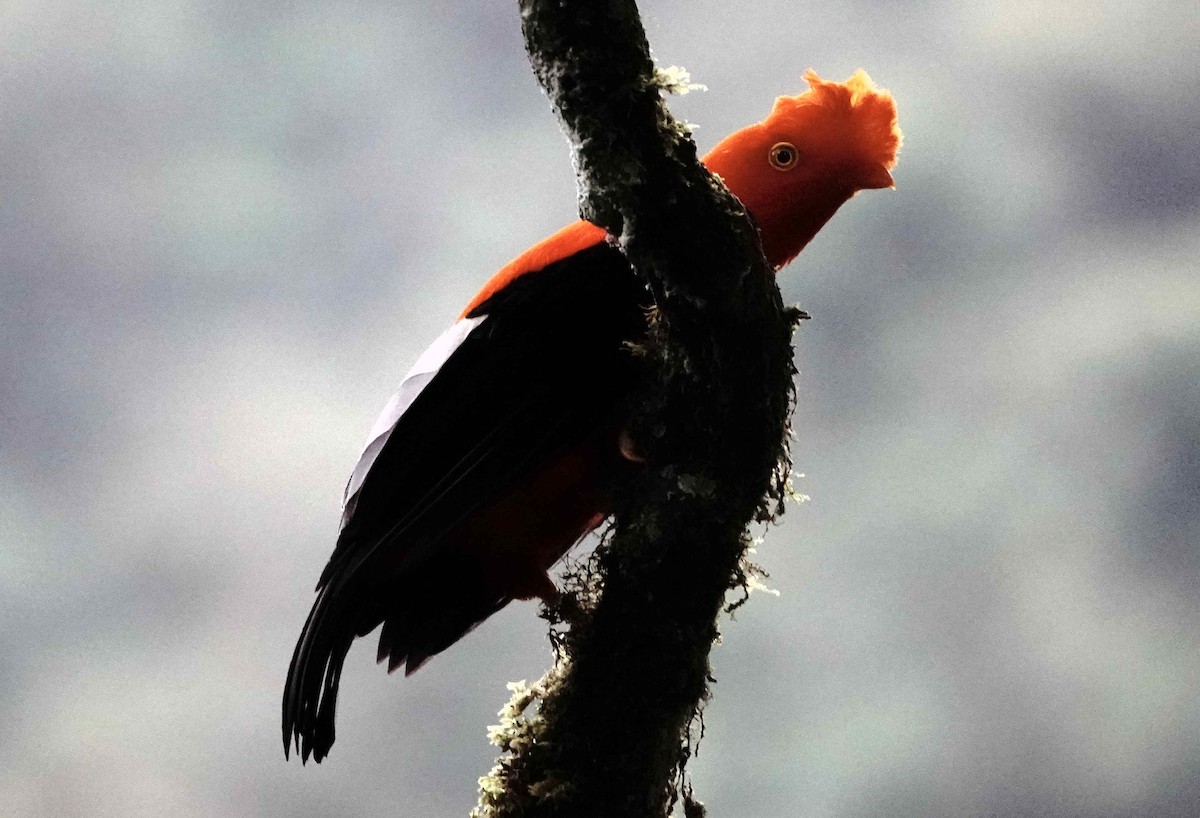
[423, 371]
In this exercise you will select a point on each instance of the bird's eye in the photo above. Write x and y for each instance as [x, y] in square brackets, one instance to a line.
[783, 155]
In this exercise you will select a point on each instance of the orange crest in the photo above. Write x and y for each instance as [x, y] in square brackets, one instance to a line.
[865, 112]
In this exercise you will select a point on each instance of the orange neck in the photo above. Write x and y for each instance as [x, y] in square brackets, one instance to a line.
[787, 228]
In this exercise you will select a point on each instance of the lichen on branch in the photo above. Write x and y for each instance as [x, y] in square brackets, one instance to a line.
[608, 730]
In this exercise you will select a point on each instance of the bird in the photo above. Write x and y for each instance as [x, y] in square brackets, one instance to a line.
[502, 445]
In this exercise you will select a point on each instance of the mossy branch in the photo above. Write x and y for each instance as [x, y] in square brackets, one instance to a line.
[633, 629]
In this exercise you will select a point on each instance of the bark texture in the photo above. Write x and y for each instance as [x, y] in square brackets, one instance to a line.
[607, 731]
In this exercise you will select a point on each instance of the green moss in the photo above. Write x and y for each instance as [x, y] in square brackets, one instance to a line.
[609, 730]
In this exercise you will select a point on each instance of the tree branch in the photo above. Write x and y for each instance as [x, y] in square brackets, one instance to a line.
[633, 630]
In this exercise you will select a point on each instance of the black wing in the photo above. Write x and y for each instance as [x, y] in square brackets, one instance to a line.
[545, 368]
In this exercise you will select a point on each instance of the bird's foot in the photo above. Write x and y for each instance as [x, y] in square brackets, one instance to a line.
[628, 447]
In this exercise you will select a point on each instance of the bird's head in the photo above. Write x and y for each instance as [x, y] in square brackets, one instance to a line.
[813, 152]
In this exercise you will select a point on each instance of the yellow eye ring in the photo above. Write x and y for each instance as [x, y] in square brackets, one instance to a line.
[783, 156]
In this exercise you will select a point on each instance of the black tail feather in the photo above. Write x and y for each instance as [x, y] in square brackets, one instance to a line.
[310, 694]
[426, 616]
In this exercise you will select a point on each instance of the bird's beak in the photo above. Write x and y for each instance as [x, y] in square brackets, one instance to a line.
[876, 178]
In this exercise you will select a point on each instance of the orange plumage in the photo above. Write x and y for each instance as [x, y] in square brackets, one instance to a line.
[502, 445]
[847, 139]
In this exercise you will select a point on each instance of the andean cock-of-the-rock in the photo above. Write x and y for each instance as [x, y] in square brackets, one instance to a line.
[500, 449]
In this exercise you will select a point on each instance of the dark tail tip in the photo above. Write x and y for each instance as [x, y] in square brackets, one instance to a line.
[310, 693]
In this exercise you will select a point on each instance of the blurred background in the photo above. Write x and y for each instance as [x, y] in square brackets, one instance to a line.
[227, 229]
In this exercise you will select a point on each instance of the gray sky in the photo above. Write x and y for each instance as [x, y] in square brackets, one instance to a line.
[227, 230]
